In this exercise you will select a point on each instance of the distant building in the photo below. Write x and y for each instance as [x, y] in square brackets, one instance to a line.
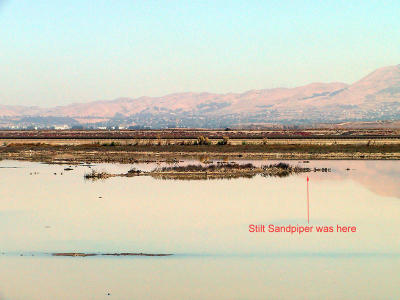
[61, 127]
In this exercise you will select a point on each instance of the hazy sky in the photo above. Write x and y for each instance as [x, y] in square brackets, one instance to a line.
[57, 52]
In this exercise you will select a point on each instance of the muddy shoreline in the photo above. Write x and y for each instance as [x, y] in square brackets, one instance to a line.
[81, 254]
[136, 153]
[220, 170]
[67, 154]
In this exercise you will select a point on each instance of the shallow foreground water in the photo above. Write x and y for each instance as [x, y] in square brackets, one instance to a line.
[205, 224]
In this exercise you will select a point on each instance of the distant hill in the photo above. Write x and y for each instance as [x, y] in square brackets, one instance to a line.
[373, 98]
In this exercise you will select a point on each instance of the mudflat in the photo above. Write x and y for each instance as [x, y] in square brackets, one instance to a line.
[73, 147]
[133, 153]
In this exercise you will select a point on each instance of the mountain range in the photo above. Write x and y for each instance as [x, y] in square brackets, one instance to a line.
[372, 98]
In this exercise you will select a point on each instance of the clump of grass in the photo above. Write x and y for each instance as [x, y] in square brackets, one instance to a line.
[201, 140]
[112, 144]
[282, 169]
[208, 168]
[133, 171]
[97, 175]
[224, 141]
[282, 165]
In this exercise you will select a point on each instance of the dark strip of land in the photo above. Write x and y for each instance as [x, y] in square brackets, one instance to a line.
[382, 133]
[131, 146]
[80, 254]
[134, 153]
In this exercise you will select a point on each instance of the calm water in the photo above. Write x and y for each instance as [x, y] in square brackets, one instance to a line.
[205, 224]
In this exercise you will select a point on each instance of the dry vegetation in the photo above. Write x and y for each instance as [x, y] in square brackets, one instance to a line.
[195, 133]
[211, 171]
[172, 145]
[93, 153]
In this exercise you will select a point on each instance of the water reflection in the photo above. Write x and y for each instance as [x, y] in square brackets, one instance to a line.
[44, 209]
[370, 174]
[47, 211]
[380, 177]
[199, 278]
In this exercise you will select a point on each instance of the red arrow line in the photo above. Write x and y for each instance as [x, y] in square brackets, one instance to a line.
[308, 203]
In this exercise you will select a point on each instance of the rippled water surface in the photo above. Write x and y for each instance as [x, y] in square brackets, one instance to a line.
[205, 224]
